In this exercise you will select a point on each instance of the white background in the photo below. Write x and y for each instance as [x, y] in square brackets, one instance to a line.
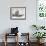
[24, 25]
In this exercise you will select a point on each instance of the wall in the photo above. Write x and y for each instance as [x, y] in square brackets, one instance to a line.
[24, 25]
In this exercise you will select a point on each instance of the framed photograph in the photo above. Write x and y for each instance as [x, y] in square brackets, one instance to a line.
[18, 13]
